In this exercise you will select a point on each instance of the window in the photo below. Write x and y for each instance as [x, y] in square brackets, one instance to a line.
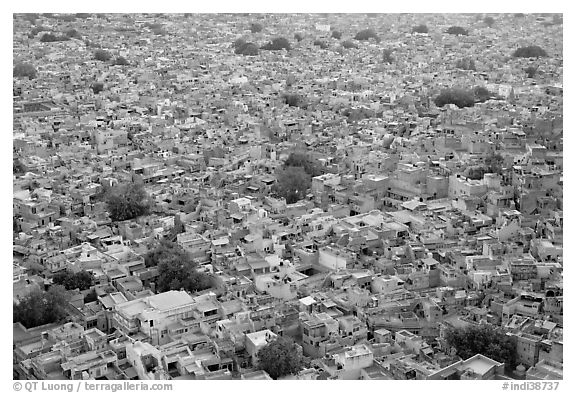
[151, 323]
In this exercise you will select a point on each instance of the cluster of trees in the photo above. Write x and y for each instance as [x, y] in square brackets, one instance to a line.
[176, 269]
[280, 357]
[457, 30]
[462, 97]
[241, 47]
[49, 37]
[24, 70]
[422, 29]
[82, 280]
[321, 44]
[102, 55]
[466, 64]
[40, 308]
[492, 164]
[484, 339]
[457, 96]
[357, 114]
[294, 100]
[366, 34]
[530, 51]
[299, 159]
[126, 201]
[295, 177]
[292, 183]
[277, 44]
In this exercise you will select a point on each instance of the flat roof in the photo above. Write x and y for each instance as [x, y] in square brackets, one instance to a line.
[480, 364]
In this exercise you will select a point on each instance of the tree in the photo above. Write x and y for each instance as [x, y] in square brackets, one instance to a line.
[489, 21]
[484, 339]
[365, 35]
[298, 37]
[457, 96]
[73, 33]
[290, 80]
[321, 44]
[49, 37]
[247, 49]
[280, 357]
[153, 26]
[277, 44]
[37, 29]
[422, 29]
[121, 61]
[176, 269]
[493, 163]
[238, 42]
[164, 250]
[457, 30]
[102, 55]
[530, 51]
[475, 172]
[24, 70]
[17, 167]
[97, 87]
[336, 34]
[127, 201]
[481, 94]
[387, 56]
[303, 160]
[82, 280]
[292, 183]
[40, 308]
[531, 71]
[255, 27]
[466, 63]
[349, 44]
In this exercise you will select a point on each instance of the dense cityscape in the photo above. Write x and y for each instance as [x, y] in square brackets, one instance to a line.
[287, 197]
